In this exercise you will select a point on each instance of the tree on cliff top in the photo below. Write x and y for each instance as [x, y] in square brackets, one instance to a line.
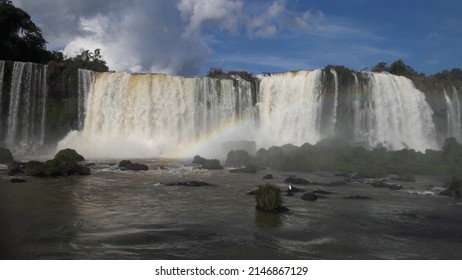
[20, 38]
[397, 68]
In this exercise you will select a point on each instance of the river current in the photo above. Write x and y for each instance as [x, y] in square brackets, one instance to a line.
[115, 214]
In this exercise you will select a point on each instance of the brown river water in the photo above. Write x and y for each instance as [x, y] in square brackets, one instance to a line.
[115, 214]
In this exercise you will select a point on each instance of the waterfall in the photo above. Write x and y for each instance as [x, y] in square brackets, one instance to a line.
[2, 73]
[333, 121]
[401, 117]
[454, 127]
[150, 115]
[85, 80]
[146, 115]
[27, 107]
[290, 108]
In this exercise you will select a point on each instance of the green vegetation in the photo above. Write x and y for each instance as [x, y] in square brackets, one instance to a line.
[268, 198]
[210, 164]
[65, 163]
[22, 40]
[338, 155]
[218, 73]
[238, 158]
[5, 156]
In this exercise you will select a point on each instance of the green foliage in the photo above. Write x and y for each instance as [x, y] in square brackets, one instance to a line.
[268, 198]
[5, 156]
[68, 155]
[20, 38]
[210, 164]
[331, 155]
[238, 158]
[454, 74]
[218, 73]
[381, 67]
[65, 163]
[87, 59]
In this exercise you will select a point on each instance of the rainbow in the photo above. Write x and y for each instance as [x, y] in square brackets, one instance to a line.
[219, 134]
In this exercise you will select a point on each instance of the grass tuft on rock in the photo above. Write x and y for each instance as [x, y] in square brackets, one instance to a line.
[268, 198]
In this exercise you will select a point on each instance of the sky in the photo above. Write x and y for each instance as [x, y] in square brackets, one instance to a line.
[188, 37]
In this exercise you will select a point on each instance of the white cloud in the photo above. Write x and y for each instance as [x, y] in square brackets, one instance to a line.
[222, 13]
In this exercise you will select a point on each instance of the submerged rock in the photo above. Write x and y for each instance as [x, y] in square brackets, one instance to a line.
[383, 184]
[322, 192]
[298, 181]
[17, 180]
[357, 197]
[268, 177]
[247, 169]
[189, 184]
[454, 190]
[309, 197]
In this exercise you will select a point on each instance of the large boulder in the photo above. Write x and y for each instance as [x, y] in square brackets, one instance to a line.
[454, 190]
[199, 160]
[65, 163]
[212, 164]
[237, 158]
[128, 165]
[5, 156]
[309, 197]
[68, 155]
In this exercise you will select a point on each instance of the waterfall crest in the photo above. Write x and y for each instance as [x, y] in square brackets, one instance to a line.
[146, 115]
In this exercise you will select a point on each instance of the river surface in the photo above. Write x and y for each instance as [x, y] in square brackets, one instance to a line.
[115, 214]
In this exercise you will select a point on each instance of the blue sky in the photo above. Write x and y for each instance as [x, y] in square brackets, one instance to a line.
[190, 36]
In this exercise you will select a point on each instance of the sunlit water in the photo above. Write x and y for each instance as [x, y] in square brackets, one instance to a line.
[116, 214]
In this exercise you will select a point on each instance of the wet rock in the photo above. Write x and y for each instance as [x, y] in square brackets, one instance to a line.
[322, 192]
[15, 168]
[198, 160]
[17, 180]
[189, 184]
[454, 190]
[68, 155]
[298, 181]
[128, 165]
[289, 193]
[212, 164]
[247, 169]
[252, 192]
[309, 197]
[5, 156]
[383, 184]
[357, 197]
[268, 177]
[343, 174]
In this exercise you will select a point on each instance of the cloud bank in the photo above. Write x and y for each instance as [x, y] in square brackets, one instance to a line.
[173, 36]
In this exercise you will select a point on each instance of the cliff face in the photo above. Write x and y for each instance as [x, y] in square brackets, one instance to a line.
[151, 115]
[38, 105]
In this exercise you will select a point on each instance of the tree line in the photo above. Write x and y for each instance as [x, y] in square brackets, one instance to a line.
[22, 40]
